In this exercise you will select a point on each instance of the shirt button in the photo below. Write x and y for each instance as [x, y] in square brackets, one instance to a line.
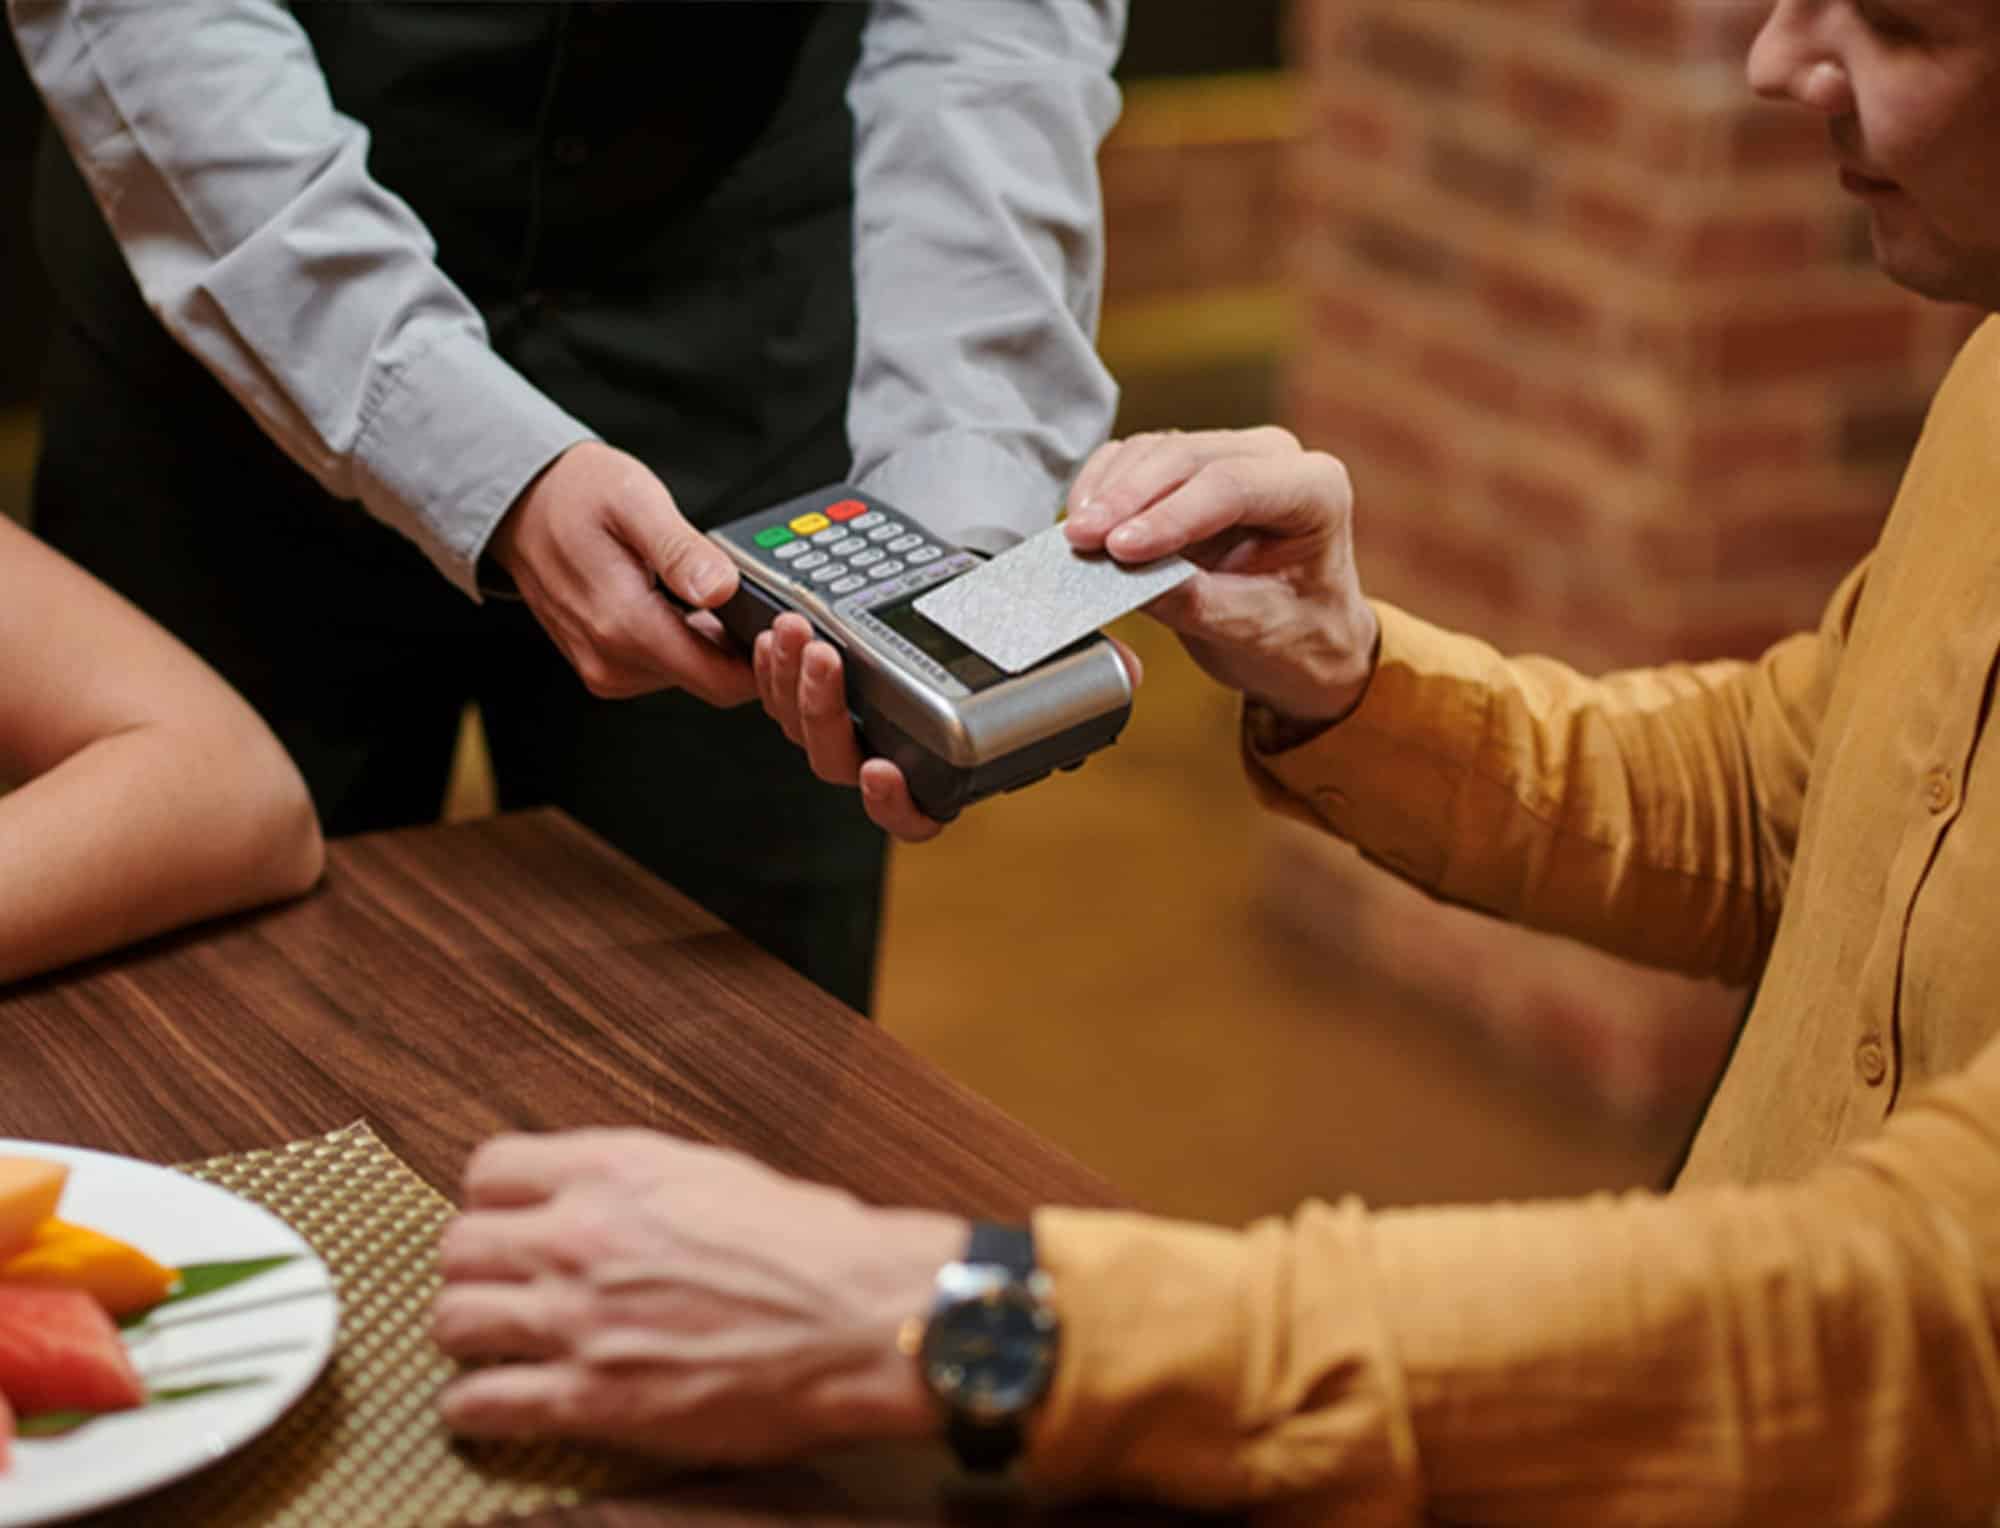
[1871, 1061]
[1938, 793]
[570, 151]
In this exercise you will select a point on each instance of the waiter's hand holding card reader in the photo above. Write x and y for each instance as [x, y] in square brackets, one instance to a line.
[958, 727]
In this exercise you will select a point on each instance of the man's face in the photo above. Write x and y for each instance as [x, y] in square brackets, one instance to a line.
[1911, 93]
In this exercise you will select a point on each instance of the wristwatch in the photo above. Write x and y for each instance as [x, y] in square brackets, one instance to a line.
[987, 1348]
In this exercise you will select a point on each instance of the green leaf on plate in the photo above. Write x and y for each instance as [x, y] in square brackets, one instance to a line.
[53, 1424]
[205, 1278]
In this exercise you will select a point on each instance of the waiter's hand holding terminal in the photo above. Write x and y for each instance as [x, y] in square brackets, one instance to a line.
[1276, 610]
[585, 542]
[958, 719]
[804, 688]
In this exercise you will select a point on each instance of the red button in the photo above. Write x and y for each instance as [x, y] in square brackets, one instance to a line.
[846, 509]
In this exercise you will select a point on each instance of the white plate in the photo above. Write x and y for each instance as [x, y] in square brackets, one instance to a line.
[283, 1331]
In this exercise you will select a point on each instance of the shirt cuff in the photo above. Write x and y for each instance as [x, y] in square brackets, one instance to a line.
[1179, 1367]
[451, 442]
[967, 490]
[1385, 778]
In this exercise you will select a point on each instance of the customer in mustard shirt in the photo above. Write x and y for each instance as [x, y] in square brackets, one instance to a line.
[1803, 1333]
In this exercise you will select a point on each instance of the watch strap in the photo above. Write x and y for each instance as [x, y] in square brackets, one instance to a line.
[984, 1448]
[987, 1448]
[1008, 1247]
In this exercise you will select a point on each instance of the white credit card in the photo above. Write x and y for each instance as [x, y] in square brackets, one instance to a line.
[1041, 596]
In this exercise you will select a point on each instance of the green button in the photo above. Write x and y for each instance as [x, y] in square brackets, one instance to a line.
[773, 535]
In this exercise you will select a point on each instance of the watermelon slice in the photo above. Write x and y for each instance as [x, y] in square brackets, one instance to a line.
[60, 1352]
[29, 1189]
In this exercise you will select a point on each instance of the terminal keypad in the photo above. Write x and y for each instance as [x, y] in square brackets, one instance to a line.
[847, 546]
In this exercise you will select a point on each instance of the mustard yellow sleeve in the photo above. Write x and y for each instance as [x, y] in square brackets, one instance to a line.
[1819, 1353]
[1652, 812]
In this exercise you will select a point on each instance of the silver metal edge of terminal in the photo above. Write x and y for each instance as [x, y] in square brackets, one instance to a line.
[984, 725]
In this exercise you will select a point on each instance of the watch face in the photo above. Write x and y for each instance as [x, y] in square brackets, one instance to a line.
[991, 1355]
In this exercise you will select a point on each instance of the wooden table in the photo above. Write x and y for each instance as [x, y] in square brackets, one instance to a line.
[517, 973]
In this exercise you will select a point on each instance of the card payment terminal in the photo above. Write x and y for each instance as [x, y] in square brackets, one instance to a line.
[958, 727]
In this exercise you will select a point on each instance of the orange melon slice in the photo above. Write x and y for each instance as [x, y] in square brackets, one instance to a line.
[29, 1189]
[119, 1276]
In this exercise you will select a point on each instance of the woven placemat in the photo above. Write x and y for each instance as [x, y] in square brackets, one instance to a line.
[364, 1445]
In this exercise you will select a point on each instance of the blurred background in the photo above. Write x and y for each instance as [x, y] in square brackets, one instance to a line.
[1598, 337]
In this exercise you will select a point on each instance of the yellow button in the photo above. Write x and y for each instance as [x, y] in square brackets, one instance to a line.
[805, 525]
[1871, 1061]
[1937, 788]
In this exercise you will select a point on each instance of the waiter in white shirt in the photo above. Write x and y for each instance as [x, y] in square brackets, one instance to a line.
[542, 289]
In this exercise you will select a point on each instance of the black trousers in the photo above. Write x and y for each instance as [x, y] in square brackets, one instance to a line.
[361, 657]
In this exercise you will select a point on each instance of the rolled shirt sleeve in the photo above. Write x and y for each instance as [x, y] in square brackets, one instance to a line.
[243, 204]
[1653, 813]
[978, 250]
[1821, 1352]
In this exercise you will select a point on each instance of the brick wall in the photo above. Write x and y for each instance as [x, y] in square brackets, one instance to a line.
[1599, 337]
[1597, 332]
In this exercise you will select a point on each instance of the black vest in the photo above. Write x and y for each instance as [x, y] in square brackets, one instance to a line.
[651, 204]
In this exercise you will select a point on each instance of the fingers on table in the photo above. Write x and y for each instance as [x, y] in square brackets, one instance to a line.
[501, 1246]
[524, 1168]
[539, 1319]
[527, 1400]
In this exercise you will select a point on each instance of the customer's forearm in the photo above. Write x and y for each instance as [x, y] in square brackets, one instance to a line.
[1821, 1353]
[144, 831]
[1633, 812]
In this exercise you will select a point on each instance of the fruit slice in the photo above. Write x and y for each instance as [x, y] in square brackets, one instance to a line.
[6, 1434]
[29, 1189]
[60, 1352]
[63, 1256]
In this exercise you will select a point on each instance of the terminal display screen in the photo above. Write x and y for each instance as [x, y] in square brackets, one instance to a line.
[937, 644]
